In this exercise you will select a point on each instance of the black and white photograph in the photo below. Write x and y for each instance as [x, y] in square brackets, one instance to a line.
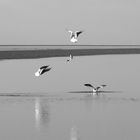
[69, 70]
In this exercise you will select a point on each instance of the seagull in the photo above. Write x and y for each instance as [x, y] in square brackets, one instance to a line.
[70, 58]
[42, 70]
[95, 89]
[74, 35]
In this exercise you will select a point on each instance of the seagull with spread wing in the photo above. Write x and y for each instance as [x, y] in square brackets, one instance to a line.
[74, 35]
[95, 89]
[42, 70]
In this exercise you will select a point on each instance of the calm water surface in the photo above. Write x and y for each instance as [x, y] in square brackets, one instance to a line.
[57, 106]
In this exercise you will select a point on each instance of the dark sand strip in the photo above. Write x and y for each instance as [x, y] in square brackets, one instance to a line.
[30, 54]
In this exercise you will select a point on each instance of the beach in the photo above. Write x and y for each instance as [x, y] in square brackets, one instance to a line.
[29, 52]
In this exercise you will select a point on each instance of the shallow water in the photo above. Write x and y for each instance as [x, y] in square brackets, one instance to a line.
[56, 106]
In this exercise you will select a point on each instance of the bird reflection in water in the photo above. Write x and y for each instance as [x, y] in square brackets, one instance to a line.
[74, 134]
[41, 113]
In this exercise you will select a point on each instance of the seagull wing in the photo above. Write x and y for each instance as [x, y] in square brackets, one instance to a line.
[45, 70]
[100, 87]
[44, 67]
[88, 85]
[71, 33]
[103, 85]
[77, 33]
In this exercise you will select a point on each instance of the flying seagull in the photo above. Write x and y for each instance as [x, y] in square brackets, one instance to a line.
[42, 70]
[74, 35]
[94, 89]
[70, 58]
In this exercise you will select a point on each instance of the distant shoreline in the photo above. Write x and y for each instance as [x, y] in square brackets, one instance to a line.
[45, 53]
[68, 45]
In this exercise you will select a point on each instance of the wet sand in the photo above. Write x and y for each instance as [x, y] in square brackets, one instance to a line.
[44, 53]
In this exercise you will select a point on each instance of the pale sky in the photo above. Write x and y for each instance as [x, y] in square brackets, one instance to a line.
[45, 21]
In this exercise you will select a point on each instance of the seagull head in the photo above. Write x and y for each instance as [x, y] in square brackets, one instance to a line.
[37, 74]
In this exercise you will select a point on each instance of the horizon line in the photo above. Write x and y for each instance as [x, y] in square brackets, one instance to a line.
[68, 45]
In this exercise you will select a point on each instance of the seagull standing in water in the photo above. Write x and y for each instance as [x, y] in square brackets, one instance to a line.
[95, 89]
[74, 35]
[70, 58]
[42, 70]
